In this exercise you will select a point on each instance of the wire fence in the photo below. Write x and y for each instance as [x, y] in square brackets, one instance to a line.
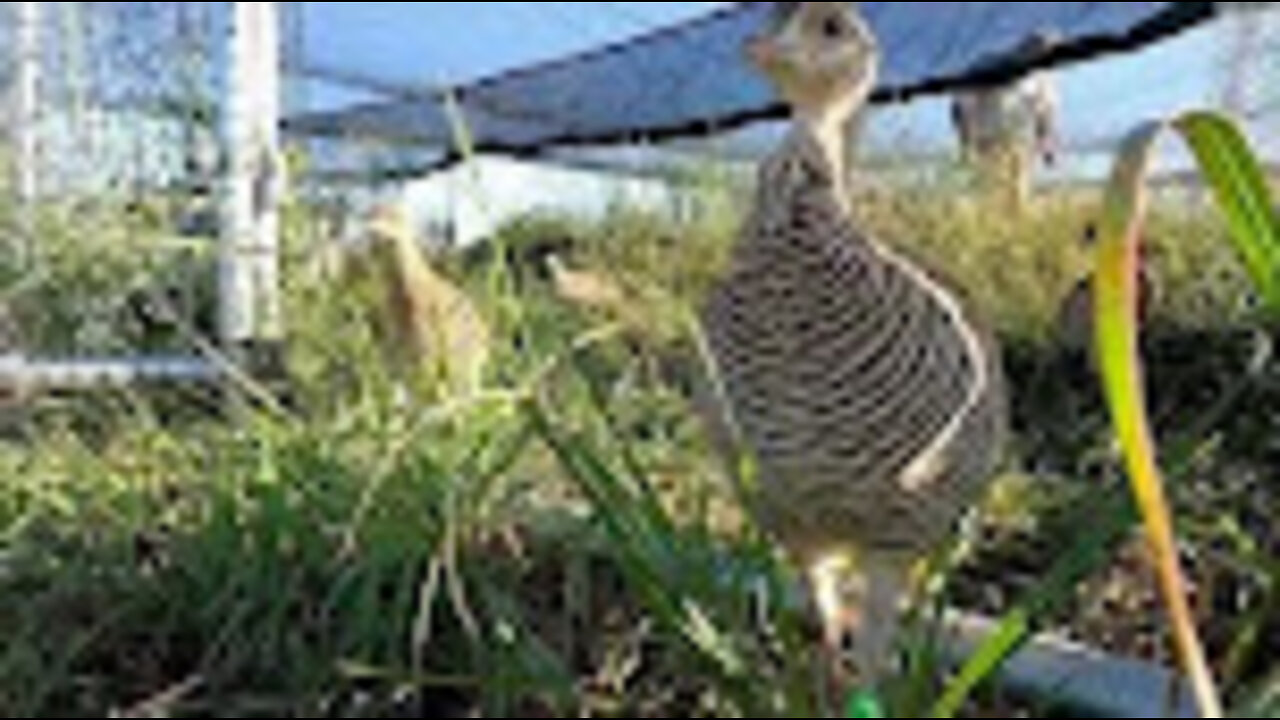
[114, 110]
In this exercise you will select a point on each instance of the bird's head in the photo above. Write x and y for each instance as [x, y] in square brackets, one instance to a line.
[820, 57]
[388, 222]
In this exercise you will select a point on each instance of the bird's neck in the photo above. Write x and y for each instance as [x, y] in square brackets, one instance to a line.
[806, 173]
[799, 184]
[826, 131]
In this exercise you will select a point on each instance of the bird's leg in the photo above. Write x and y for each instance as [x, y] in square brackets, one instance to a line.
[839, 622]
[886, 576]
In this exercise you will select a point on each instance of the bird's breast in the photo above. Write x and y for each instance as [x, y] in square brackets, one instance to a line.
[840, 361]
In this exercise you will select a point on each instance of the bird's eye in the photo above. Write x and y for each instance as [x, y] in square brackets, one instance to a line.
[833, 28]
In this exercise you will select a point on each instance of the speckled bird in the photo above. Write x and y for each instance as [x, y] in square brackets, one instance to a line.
[436, 336]
[866, 391]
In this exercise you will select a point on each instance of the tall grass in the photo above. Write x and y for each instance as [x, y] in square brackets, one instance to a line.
[562, 545]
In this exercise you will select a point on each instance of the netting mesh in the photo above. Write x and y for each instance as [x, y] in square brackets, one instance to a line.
[118, 140]
[690, 80]
[130, 90]
[126, 92]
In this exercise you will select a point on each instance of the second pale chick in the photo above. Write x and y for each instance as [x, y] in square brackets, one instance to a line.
[433, 332]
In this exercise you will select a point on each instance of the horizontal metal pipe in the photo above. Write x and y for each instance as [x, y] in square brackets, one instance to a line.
[21, 375]
[1078, 677]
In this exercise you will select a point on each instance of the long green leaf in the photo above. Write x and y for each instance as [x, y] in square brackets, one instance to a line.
[1240, 189]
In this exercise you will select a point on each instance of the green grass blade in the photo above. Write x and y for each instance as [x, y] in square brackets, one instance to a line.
[1111, 517]
[1239, 187]
[1116, 323]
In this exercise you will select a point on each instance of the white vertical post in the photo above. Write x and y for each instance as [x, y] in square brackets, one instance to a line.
[26, 120]
[250, 264]
[77, 24]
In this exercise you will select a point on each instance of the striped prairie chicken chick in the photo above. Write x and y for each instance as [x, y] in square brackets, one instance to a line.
[434, 333]
[869, 398]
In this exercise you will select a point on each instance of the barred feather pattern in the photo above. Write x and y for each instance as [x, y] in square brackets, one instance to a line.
[868, 394]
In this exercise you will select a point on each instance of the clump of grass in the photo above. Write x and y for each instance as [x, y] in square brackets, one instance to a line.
[107, 277]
